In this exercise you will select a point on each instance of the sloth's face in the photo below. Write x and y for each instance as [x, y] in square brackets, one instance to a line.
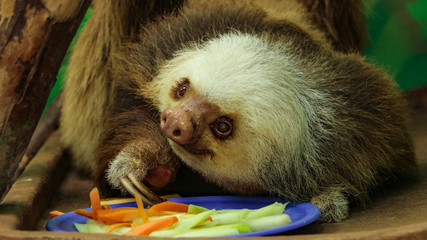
[226, 108]
[207, 137]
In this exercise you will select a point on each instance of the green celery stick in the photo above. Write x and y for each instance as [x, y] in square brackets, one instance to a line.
[272, 209]
[95, 226]
[268, 222]
[121, 230]
[184, 225]
[196, 209]
[209, 232]
[81, 227]
[230, 217]
[223, 230]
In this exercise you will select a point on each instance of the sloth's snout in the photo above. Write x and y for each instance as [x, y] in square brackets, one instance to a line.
[176, 124]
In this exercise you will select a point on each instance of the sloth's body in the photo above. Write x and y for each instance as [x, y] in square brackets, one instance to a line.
[258, 101]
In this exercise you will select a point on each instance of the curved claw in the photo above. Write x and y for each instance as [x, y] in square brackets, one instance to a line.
[144, 190]
[134, 186]
[132, 190]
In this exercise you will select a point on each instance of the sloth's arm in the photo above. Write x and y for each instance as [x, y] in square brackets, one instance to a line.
[133, 143]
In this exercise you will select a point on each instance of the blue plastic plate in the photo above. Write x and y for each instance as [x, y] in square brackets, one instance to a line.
[301, 214]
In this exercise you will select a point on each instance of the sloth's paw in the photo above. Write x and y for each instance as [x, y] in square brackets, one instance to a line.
[121, 166]
[127, 173]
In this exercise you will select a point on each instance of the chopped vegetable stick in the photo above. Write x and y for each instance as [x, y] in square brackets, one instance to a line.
[141, 209]
[105, 206]
[81, 227]
[151, 213]
[192, 214]
[122, 214]
[112, 227]
[268, 222]
[196, 209]
[272, 209]
[184, 225]
[152, 226]
[216, 231]
[230, 217]
[134, 224]
[55, 213]
[170, 206]
[95, 202]
[95, 226]
[208, 232]
[84, 213]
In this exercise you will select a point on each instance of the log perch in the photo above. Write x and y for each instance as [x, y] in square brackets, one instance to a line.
[34, 37]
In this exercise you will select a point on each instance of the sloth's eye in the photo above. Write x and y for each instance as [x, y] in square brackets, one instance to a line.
[181, 88]
[222, 128]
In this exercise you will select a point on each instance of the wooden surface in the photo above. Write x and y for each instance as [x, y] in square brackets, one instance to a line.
[398, 212]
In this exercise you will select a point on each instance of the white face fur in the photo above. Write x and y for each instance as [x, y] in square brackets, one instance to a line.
[251, 81]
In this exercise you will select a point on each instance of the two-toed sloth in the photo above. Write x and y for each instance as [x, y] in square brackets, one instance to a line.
[260, 97]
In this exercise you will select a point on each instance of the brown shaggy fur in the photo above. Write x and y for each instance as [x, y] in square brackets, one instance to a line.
[357, 134]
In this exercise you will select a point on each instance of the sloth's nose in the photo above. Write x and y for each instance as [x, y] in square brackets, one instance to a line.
[176, 124]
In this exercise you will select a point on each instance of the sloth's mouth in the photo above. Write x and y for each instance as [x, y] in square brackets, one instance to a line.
[195, 151]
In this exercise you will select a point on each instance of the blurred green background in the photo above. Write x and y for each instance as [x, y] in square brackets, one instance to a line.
[398, 41]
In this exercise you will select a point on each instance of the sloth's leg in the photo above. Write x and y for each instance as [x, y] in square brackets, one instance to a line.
[333, 204]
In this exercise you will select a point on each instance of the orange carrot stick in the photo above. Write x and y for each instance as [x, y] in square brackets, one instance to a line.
[84, 213]
[105, 206]
[112, 227]
[95, 202]
[134, 224]
[55, 213]
[141, 209]
[122, 214]
[152, 226]
[151, 213]
[170, 206]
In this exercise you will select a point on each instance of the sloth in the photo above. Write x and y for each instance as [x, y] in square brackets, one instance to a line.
[257, 97]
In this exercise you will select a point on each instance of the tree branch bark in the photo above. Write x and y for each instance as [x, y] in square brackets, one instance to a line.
[34, 37]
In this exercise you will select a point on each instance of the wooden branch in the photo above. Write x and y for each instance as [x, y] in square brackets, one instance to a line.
[34, 37]
[47, 124]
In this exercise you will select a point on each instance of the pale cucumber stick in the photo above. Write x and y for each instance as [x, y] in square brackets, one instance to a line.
[196, 209]
[230, 217]
[208, 233]
[217, 231]
[95, 226]
[208, 224]
[81, 227]
[92, 226]
[231, 210]
[272, 209]
[184, 225]
[121, 230]
[268, 222]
